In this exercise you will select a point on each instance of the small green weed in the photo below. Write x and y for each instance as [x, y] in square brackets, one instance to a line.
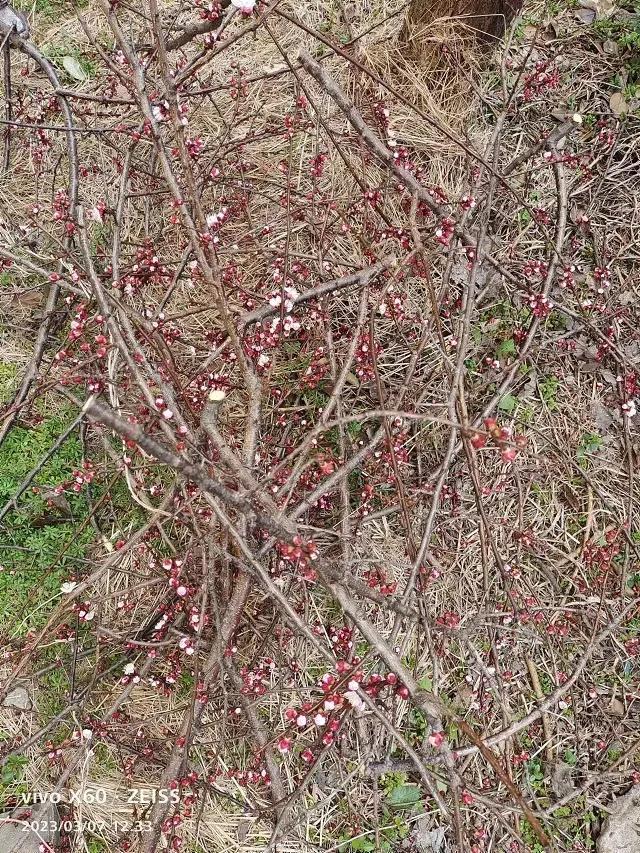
[95, 845]
[548, 390]
[508, 404]
[535, 774]
[11, 779]
[507, 349]
[530, 838]
[625, 32]
[591, 442]
[400, 798]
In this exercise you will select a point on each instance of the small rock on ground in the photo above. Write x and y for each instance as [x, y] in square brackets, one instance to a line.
[430, 840]
[18, 698]
[621, 830]
[17, 838]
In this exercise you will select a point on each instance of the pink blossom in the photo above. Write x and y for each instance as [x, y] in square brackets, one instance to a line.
[284, 744]
[436, 739]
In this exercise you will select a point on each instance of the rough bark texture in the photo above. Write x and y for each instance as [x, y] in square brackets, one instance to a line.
[12, 20]
[487, 18]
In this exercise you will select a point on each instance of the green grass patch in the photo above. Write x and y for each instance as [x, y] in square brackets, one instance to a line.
[39, 545]
[49, 10]
[8, 381]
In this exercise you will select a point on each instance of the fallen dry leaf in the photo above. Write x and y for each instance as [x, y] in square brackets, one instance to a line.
[618, 104]
[601, 8]
[586, 16]
[616, 707]
[562, 782]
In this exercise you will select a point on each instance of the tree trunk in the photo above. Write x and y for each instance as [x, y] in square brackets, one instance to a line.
[484, 19]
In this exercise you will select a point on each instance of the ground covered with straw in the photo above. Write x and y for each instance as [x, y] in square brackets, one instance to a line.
[320, 364]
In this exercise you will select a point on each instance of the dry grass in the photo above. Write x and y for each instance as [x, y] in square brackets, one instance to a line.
[546, 516]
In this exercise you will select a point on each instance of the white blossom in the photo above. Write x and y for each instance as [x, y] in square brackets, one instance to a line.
[354, 700]
[245, 6]
[159, 111]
